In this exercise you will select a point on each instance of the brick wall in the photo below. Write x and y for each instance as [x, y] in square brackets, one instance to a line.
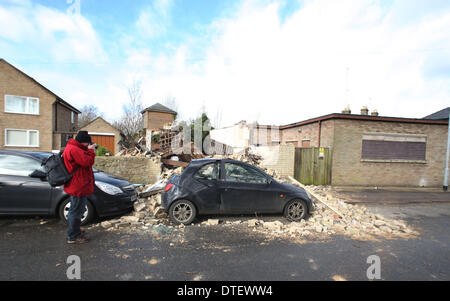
[157, 120]
[310, 132]
[279, 158]
[12, 82]
[264, 135]
[349, 169]
[137, 170]
[63, 121]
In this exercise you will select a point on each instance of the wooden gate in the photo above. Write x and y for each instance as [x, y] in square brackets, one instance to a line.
[313, 165]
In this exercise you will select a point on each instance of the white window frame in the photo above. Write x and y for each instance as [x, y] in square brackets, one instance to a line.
[28, 138]
[26, 105]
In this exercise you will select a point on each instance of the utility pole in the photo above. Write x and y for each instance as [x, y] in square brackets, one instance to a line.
[446, 158]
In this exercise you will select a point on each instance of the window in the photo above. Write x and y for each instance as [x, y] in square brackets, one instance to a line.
[18, 166]
[21, 105]
[244, 174]
[208, 172]
[73, 117]
[393, 147]
[24, 138]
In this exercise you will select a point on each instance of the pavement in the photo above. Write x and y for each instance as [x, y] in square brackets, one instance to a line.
[391, 195]
[36, 249]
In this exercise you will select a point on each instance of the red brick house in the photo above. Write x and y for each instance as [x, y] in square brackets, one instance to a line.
[372, 150]
[31, 116]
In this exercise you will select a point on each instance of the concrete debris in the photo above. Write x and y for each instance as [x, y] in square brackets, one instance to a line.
[106, 225]
[331, 216]
[211, 222]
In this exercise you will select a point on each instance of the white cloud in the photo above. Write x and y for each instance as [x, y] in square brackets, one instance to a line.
[260, 68]
[153, 20]
[255, 66]
[55, 34]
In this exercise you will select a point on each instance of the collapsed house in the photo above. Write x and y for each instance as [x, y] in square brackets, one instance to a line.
[164, 140]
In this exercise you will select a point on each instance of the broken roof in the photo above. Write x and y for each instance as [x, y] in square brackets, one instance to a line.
[157, 107]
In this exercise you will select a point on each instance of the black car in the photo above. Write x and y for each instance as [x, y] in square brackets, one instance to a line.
[210, 186]
[25, 191]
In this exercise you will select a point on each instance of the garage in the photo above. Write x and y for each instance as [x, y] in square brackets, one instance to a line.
[104, 134]
[103, 139]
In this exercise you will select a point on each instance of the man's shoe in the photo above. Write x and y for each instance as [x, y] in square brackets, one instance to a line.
[79, 240]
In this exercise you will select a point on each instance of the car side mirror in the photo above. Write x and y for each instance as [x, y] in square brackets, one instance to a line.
[269, 180]
[38, 174]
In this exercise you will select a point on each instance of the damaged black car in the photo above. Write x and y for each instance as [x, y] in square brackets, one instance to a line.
[210, 186]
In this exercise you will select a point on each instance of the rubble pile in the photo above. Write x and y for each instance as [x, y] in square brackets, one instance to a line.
[353, 220]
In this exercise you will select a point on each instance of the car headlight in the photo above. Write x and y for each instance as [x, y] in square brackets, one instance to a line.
[108, 188]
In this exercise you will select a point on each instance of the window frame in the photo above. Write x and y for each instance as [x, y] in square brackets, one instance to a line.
[244, 166]
[28, 138]
[26, 105]
[216, 168]
[394, 137]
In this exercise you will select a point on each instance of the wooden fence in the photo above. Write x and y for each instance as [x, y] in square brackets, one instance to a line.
[313, 166]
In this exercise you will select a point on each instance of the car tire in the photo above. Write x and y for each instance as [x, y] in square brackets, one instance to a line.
[88, 215]
[182, 212]
[296, 210]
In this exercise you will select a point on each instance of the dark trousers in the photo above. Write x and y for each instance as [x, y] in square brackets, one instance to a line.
[76, 211]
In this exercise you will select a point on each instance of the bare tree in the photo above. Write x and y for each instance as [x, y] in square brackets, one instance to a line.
[132, 120]
[218, 118]
[171, 102]
[88, 114]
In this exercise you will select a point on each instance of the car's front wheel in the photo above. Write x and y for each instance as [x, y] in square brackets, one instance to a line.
[182, 212]
[296, 210]
[87, 217]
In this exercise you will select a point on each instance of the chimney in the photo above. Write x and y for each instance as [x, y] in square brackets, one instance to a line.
[364, 111]
[374, 113]
[347, 110]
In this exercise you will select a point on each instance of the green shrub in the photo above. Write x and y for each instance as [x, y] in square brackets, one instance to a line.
[101, 151]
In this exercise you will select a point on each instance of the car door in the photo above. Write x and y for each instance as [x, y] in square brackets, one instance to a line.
[19, 193]
[205, 187]
[245, 189]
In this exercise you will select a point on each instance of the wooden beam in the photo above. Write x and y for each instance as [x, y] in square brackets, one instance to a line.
[174, 163]
[318, 197]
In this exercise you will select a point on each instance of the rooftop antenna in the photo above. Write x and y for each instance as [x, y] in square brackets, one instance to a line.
[347, 69]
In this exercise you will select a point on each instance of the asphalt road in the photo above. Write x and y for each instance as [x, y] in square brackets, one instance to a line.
[35, 249]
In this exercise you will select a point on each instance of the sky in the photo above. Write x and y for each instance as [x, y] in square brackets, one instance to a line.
[270, 61]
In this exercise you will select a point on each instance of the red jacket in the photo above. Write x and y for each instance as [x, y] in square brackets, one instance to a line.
[76, 155]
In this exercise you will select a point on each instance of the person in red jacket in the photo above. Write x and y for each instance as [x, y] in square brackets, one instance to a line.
[79, 157]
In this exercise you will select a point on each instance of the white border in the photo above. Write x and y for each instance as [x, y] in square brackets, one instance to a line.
[28, 137]
[27, 97]
[101, 134]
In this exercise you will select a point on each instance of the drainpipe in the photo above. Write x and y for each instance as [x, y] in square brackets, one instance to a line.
[320, 130]
[446, 158]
